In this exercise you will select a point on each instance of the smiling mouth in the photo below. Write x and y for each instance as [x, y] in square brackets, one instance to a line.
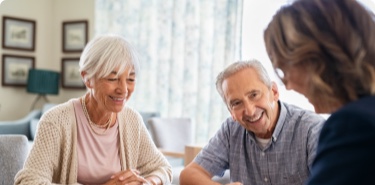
[116, 99]
[254, 119]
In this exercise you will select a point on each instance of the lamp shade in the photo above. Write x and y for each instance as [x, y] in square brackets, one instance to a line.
[43, 81]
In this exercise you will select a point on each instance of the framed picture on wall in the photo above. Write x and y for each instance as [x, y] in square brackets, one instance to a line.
[15, 69]
[75, 35]
[18, 34]
[71, 77]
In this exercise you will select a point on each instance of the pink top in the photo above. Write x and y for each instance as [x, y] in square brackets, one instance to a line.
[98, 155]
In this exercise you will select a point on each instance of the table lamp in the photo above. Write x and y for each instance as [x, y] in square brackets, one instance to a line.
[42, 82]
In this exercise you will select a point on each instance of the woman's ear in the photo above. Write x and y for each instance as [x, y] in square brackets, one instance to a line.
[85, 79]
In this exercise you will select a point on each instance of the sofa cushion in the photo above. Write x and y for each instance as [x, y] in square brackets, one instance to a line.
[33, 125]
[14, 150]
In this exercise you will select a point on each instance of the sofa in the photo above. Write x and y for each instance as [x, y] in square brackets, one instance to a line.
[25, 126]
[21, 126]
[14, 150]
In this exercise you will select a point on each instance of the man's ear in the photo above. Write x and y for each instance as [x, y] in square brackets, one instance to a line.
[233, 117]
[231, 113]
[275, 91]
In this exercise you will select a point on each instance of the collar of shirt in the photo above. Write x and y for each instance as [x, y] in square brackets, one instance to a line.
[278, 128]
[280, 121]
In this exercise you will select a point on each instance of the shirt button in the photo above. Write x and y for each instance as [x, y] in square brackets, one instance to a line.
[265, 179]
[263, 154]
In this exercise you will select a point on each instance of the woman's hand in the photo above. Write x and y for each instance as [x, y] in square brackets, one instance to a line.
[127, 177]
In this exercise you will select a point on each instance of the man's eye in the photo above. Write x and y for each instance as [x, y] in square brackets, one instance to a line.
[234, 104]
[254, 95]
[131, 79]
[112, 79]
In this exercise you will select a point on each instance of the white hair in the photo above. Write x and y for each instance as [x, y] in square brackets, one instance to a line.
[239, 66]
[104, 53]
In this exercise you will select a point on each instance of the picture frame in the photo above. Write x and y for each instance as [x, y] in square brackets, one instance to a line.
[18, 33]
[15, 70]
[75, 35]
[70, 75]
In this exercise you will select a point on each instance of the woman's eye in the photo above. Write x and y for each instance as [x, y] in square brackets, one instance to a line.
[131, 79]
[112, 79]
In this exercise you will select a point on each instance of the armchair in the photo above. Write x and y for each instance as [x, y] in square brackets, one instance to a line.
[175, 139]
[148, 115]
[171, 135]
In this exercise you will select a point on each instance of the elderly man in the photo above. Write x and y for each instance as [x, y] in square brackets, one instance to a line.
[265, 141]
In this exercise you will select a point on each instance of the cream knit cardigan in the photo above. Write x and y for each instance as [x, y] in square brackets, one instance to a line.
[53, 158]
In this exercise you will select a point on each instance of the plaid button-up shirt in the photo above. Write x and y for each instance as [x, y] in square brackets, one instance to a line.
[285, 160]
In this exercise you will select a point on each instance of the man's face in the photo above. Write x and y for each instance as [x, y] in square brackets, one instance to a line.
[251, 102]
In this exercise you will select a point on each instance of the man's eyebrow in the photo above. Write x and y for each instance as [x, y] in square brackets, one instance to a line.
[253, 91]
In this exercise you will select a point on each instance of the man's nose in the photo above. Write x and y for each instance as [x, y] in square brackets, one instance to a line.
[249, 108]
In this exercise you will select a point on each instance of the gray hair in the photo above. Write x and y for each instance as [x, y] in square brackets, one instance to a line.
[239, 66]
[104, 53]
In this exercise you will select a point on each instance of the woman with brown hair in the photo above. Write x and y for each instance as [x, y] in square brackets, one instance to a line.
[325, 50]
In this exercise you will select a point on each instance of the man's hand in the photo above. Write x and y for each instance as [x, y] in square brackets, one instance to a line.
[193, 174]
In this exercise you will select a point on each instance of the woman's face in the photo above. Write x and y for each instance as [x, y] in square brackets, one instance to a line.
[296, 77]
[113, 91]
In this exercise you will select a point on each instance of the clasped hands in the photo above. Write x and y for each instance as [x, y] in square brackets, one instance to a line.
[128, 177]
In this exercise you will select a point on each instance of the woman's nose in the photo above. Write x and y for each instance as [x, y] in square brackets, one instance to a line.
[122, 87]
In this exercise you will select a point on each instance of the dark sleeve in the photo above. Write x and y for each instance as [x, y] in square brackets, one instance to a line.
[346, 150]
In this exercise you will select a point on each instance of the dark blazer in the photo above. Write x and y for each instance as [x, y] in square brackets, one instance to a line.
[346, 148]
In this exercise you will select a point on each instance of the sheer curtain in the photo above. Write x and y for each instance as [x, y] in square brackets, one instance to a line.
[182, 45]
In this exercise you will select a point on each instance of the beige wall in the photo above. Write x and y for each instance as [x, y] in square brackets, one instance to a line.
[15, 102]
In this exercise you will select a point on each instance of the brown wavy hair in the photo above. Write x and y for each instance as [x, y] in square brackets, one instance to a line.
[333, 41]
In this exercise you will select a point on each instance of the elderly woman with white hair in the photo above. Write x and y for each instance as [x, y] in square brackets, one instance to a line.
[96, 138]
